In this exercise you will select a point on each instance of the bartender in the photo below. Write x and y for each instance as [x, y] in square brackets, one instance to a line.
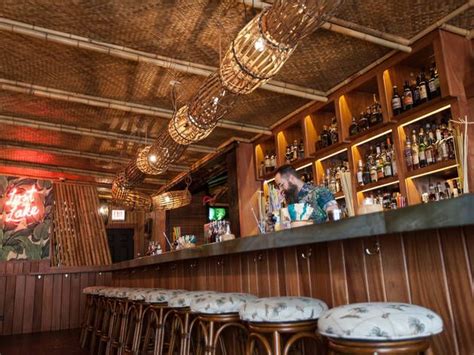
[296, 190]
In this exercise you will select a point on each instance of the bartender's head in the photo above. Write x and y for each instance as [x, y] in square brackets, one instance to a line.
[288, 181]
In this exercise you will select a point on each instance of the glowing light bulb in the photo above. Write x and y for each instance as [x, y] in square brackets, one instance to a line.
[167, 199]
[260, 44]
[152, 158]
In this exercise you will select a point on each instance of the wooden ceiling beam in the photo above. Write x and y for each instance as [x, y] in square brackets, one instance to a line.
[126, 53]
[96, 101]
[79, 154]
[89, 132]
[352, 29]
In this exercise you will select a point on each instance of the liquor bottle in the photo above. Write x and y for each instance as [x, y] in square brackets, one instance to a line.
[354, 128]
[428, 151]
[337, 175]
[436, 79]
[325, 137]
[294, 149]
[415, 88]
[372, 166]
[273, 161]
[437, 192]
[379, 163]
[450, 142]
[442, 194]
[447, 189]
[332, 182]
[360, 174]
[455, 189]
[387, 165]
[421, 148]
[378, 109]
[408, 96]
[267, 163]
[414, 152]
[363, 122]
[373, 120]
[301, 150]
[423, 87]
[432, 195]
[432, 142]
[441, 146]
[433, 89]
[288, 154]
[407, 152]
[366, 175]
[396, 102]
[333, 135]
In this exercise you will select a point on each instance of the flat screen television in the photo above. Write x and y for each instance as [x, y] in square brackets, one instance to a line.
[217, 213]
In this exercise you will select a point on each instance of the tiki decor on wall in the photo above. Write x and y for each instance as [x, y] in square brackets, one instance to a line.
[26, 213]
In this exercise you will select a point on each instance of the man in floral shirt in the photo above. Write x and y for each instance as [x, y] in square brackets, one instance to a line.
[296, 190]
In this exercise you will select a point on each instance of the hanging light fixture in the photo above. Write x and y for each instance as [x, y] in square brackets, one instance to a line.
[146, 161]
[173, 199]
[166, 150]
[195, 121]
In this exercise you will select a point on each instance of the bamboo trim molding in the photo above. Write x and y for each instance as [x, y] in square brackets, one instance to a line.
[89, 132]
[140, 56]
[56, 94]
[79, 154]
[353, 30]
[90, 173]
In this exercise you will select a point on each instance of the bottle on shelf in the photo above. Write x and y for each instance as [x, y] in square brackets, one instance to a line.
[333, 135]
[325, 138]
[379, 163]
[407, 97]
[294, 150]
[301, 150]
[268, 167]
[414, 152]
[387, 165]
[423, 87]
[354, 127]
[363, 123]
[273, 161]
[421, 148]
[261, 170]
[288, 155]
[407, 152]
[396, 102]
[360, 174]
[415, 88]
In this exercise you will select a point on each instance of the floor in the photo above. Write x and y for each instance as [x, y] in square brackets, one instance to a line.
[65, 342]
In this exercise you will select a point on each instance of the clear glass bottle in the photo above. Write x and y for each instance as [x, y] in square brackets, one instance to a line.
[407, 152]
[360, 174]
[396, 102]
[414, 152]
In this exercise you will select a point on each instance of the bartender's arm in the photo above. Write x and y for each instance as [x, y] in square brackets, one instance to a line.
[323, 201]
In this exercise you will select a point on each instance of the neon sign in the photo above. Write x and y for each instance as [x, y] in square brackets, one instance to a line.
[21, 205]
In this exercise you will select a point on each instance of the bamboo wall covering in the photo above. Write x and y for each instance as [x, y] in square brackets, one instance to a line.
[79, 236]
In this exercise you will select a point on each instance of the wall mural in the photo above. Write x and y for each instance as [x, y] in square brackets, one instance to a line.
[26, 213]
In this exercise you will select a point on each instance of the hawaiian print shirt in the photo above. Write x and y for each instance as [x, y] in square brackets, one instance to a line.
[317, 197]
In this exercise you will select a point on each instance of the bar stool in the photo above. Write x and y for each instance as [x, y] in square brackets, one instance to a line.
[379, 327]
[87, 327]
[217, 312]
[296, 317]
[106, 309]
[119, 305]
[150, 306]
[183, 319]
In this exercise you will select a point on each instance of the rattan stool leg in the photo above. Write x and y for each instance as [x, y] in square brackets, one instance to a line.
[88, 321]
[101, 314]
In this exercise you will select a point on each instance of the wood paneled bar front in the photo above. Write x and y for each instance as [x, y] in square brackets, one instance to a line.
[421, 254]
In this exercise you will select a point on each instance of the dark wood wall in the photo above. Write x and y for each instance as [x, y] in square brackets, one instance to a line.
[32, 299]
[432, 268]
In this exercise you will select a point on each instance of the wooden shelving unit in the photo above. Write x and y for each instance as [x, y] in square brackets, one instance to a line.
[353, 98]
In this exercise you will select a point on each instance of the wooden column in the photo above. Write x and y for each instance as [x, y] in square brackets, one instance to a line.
[248, 188]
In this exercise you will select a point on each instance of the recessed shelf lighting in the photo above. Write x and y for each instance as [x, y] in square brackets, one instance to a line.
[425, 115]
[304, 166]
[374, 137]
[380, 186]
[433, 172]
[333, 154]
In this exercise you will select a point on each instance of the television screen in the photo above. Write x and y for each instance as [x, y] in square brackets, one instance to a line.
[217, 213]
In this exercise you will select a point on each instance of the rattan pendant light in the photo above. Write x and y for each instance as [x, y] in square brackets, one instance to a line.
[173, 199]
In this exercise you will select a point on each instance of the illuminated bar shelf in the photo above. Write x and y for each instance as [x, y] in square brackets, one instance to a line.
[432, 169]
[378, 184]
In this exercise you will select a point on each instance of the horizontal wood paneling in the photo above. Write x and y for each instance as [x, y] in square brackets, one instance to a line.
[37, 303]
[432, 269]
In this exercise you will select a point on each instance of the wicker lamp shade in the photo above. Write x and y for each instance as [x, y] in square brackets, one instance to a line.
[136, 200]
[172, 199]
[165, 151]
[133, 174]
[253, 57]
[288, 22]
[197, 120]
[144, 160]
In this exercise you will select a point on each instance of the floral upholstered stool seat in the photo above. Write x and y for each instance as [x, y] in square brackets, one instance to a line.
[379, 327]
[216, 312]
[92, 300]
[148, 310]
[183, 321]
[269, 318]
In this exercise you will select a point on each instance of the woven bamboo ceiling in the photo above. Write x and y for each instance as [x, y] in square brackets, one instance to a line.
[83, 85]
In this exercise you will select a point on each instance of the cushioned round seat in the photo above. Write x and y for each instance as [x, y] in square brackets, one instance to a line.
[380, 321]
[119, 292]
[184, 299]
[220, 303]
[282, 309]
[154, 295]
[94, 290]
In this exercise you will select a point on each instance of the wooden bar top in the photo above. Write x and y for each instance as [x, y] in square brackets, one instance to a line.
[442, 214]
